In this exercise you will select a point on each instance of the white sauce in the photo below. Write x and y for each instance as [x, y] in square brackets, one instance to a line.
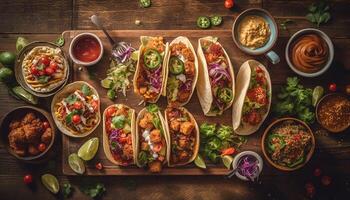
[146, 136]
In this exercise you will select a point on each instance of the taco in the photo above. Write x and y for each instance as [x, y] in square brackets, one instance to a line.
[215, 86]
[151, 73]
[183, 136]
[182, 71]
[44, 69]
[76, 109]
[151, 139]
[252, 104]
[119, 134]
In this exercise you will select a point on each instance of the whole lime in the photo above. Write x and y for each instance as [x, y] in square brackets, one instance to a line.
[7, 58]
[6, 74]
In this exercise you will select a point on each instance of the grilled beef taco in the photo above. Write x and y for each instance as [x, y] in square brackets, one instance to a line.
[76, 109]
[252, 104]
[183, 136]
[151, 139]
[151, 72]
[119, 134]
[182, 71]
[215, 86]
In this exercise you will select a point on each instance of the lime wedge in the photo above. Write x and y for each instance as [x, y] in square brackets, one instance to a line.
[227, 160]
[199, 162]
[317, 94]
[76, 163]
[135, 55]
[88, 150]
[106, 83]
[50, 182]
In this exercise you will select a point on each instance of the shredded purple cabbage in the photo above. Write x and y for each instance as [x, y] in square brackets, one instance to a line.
[122, 52]
[155, 79]
[248, 166]
[113, 140]
[187, 86]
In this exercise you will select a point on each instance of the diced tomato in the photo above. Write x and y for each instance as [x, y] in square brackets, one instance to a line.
[49, 71]
[76, 119]
[45, 60]
[216, 50]
[123, 140]
[94, 105]
[53, 66]
[42, 147]
[252, 118]
[34, 70]
[260, 78]
[317, 172]
[28, 179]
[108, 126]
[78, 105]
[258, 95]
[41, 72]
[99, 166]
[110, 111]
[228, 151]
[157, 147]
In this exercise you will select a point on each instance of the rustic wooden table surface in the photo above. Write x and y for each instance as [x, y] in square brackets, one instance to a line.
[45, 20]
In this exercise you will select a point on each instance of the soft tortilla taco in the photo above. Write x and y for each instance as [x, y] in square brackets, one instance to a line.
[151, 70]
[215, 85]
[151, 139]
[119, 134]
[182, 71]
[252, 104]
[183, 136]
[76, 109]
[44, 69]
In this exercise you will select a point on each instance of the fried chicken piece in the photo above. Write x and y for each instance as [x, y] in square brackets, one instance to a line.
[184, 95]
[144, 146]
[128, 151]
[183, 142]
[17, 137]
[183, 155]
[189, 68]
[32, 133]
[47, 136]
[186, 128]
[122, 111]
[28, 118]
[155, 136]
[20, 151]
[143, 90]
[14, 125]
[33, 150]
[155, 166]
[188, 54]
[146, 121]
[175, 125]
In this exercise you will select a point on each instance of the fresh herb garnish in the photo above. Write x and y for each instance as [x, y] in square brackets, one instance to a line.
[142, 158]
[95, 190]
[152, 108]
[67, 190]
[319, 13]
[85, 90]
[40, 67]
[70, 116]
[118, 121]
[295, 100]
[145, 3]
[285, 23]
[43, 79]
[59, 41]
[71, 99]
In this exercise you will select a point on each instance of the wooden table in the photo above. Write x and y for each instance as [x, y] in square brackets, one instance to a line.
[46, 20]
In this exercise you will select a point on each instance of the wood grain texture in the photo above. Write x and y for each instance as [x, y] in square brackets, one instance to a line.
[332, 153]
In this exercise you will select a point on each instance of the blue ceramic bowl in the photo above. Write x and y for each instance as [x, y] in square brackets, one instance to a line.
[273, 30]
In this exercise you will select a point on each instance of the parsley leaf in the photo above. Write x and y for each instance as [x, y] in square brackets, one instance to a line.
[85, 90]
[319, 13]
[67, 190]
[43, 79]
[71, 99]
[94, 191]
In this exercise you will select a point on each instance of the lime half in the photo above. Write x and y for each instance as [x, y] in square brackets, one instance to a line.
[76, 163]
[227, 160]
[88, 150]
[135, 55]
[199, 162]
[50, 182]
[106, 83]
[317, 94]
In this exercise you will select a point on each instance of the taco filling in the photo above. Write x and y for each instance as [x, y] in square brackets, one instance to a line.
[79, 111]
[219, 75]
[182, 136]
[118, 130]
[150, 78]
[256, 101]
[181, 73]
[151, 140]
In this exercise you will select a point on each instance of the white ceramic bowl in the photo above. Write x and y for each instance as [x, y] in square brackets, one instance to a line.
[72, 44]
[244, 153]
[324, 37]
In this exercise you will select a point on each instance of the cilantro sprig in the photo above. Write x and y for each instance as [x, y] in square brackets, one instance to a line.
[319, 13]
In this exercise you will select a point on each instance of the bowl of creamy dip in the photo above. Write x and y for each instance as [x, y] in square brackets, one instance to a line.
[255, 32]
[309, 52]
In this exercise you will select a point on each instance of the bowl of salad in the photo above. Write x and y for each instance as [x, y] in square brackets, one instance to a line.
[288, 144]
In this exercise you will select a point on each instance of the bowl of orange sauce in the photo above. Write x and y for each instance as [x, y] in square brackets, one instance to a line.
[86, 49]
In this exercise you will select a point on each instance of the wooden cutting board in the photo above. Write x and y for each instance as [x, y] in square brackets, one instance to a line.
[94, 74]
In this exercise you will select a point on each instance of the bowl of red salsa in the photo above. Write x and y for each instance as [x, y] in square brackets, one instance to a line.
[86, 49]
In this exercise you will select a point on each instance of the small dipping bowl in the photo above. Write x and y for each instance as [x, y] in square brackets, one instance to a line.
[266, 49]
[295, 37]
[86, 49]
[239, 156]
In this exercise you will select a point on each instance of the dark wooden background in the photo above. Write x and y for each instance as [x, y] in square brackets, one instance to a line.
[46, 20]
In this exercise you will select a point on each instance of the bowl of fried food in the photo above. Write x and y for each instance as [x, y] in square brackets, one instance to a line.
[28, 133]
